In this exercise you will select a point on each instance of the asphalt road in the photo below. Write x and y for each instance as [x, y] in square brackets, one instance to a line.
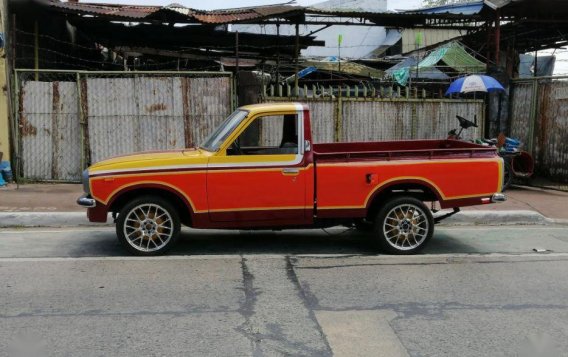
[474, 292]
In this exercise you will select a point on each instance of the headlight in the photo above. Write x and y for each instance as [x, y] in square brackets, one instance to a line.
[85, 180]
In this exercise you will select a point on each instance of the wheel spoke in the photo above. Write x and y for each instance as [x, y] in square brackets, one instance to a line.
[148, 239]
[405, 227]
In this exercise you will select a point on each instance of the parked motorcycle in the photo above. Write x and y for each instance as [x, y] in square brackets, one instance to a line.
[518, 164]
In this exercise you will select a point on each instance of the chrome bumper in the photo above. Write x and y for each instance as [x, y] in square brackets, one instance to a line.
[86, 201]
[498, 197]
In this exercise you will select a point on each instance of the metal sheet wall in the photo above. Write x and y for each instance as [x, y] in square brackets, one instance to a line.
[49, 131]
[209, 103]
[436, 118]
[539, 118]
[323, 114]
[122, 113]
[353, 120]
[521, 104]
[376, 121]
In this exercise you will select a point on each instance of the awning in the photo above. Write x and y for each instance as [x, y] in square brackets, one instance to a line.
[351, 68]
[452, 54]
[420, 73]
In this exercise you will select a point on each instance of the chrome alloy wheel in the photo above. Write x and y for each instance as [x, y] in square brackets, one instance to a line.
[148, 227]
[406, 227]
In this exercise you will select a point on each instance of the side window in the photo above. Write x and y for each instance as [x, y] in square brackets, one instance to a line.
[268, 135]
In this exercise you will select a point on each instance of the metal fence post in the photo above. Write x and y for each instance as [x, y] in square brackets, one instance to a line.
[414, 120]
[338, 118]
[16, 128]
[82, 121]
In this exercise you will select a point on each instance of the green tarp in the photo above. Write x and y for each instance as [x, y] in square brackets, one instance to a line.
[452, 54]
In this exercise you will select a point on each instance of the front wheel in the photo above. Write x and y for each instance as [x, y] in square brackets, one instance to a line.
[148, 225]
[403, 226]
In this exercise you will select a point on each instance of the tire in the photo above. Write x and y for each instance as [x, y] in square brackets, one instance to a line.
[403, 226]
[148, 225]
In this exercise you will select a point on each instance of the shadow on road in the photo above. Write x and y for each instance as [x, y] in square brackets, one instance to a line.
[203, 242]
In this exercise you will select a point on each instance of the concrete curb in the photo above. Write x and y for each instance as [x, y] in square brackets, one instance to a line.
[47, 219]
[465, 218]
[497, 218]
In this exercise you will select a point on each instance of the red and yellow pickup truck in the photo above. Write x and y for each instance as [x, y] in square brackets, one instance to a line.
[261, 170]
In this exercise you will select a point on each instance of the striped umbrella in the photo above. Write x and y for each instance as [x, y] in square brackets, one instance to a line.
[474, 83]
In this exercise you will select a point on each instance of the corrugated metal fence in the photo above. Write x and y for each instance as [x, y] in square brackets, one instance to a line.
[539, 118]
[70, 119]
[352, 119]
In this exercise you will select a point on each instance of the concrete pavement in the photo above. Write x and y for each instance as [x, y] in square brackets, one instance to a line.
[475, 292]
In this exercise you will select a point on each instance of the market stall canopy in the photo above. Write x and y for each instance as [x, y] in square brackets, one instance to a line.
[420, 73]
[350, 68]
[451, 55]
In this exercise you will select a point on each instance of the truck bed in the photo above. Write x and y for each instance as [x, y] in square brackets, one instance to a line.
[401, 150]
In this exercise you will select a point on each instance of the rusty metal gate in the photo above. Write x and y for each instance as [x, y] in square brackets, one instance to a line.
[539, 118]
[67, 120]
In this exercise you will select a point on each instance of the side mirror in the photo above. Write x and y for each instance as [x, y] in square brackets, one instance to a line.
[307, 146]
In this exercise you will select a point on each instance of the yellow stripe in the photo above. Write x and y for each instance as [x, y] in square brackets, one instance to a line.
[189, 171]
[175, 188]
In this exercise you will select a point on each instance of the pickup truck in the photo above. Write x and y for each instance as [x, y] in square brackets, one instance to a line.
[260, 169]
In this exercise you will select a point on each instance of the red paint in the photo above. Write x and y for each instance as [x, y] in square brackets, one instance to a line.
[333, 181]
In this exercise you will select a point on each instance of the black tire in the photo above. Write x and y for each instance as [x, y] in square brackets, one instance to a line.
[151, 233]
[414, 227]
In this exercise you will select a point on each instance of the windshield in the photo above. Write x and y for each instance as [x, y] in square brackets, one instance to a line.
[218, 137]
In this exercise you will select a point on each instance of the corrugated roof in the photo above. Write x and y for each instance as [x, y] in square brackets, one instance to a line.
[135, 12]
[469, 8]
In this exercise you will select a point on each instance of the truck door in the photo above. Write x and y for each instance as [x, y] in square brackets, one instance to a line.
[260, 175]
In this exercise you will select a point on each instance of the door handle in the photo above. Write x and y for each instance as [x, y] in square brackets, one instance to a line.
[292, 172]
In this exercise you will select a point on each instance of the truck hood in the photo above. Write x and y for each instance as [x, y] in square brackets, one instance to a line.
[151, 160]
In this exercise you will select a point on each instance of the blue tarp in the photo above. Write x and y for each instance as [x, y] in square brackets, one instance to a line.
[545, 66]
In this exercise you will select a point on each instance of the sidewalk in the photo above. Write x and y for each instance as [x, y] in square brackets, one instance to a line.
[41, 198]
[524, 204]
[550, 203]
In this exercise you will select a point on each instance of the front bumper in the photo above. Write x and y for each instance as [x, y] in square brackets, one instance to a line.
[86, 201]
[96, 211]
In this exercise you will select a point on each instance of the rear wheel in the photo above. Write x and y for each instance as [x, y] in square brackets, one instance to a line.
[403, 225]
[148, 225]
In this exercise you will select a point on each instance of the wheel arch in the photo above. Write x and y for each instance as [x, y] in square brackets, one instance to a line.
[182, 204]
[415, 187]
